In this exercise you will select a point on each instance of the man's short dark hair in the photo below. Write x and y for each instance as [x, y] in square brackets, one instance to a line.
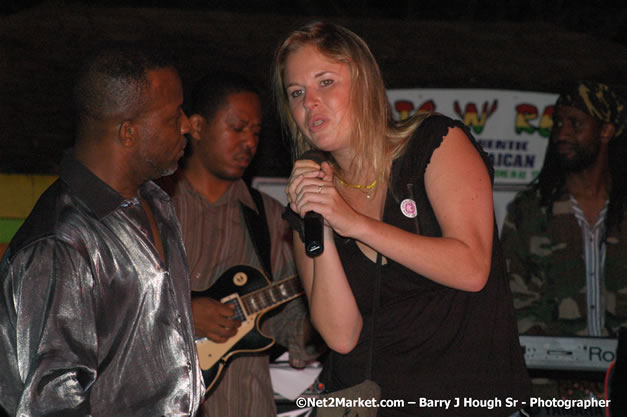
[113, 80]
[210, 93]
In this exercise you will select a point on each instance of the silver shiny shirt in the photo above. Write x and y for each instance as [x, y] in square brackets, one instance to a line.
[92, 321]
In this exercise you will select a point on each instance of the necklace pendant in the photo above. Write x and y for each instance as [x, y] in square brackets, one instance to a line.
[368, 190]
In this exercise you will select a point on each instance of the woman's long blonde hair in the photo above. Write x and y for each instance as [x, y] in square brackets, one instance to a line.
[376, 138]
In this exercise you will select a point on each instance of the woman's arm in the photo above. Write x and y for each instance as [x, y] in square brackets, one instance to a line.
[333, 308]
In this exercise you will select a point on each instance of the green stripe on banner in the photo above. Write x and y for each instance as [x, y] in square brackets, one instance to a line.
[8, 227]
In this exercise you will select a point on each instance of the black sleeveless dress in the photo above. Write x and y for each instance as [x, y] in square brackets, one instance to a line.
[431, 342]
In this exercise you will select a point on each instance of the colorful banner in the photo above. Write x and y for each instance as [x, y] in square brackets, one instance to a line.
[512, 126]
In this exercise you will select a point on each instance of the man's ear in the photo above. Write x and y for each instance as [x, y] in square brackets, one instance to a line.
[607, 132]
[127, 134]
[198, 123]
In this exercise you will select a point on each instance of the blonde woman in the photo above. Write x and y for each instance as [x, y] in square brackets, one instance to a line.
[408, 230]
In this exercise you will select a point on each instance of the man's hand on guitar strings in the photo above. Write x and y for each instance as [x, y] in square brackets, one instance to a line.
[213, 319]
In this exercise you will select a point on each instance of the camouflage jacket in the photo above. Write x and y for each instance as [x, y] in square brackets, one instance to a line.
[546, 268]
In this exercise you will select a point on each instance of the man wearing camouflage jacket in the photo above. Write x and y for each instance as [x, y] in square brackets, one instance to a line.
[565, 237]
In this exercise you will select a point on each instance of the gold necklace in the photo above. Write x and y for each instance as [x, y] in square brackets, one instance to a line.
[366, 189]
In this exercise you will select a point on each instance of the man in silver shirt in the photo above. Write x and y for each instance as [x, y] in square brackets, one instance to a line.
[95, 312]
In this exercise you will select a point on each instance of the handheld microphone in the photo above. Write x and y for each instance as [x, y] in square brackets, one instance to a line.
[314, 244]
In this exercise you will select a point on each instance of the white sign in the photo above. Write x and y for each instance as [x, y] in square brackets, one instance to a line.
[512, 126]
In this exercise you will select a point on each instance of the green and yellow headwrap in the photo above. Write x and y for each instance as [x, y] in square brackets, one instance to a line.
[597, 100]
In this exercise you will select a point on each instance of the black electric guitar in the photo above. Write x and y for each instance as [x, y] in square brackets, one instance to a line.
[252, 294]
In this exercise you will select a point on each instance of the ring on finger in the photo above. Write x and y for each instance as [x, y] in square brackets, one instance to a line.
[319, 189]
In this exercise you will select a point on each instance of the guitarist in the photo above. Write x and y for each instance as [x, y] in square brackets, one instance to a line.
[213, 203]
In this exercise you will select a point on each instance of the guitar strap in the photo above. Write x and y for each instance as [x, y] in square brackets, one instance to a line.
[257, 225]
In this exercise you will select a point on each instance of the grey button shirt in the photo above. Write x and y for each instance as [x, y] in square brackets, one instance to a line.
[92, 321]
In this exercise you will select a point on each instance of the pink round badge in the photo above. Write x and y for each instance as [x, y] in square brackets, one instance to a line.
[408, 207]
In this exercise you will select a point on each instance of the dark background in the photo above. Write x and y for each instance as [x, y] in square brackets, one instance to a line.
[512, 44]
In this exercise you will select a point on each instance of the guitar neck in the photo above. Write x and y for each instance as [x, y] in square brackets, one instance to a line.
[272, 295]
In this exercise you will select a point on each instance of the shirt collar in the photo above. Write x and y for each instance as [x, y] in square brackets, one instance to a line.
[238, 191]
[95, 193]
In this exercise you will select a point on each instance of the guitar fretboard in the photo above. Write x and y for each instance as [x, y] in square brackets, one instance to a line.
[271, 296]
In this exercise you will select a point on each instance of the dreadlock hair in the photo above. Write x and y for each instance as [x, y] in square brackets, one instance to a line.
[552, 178]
